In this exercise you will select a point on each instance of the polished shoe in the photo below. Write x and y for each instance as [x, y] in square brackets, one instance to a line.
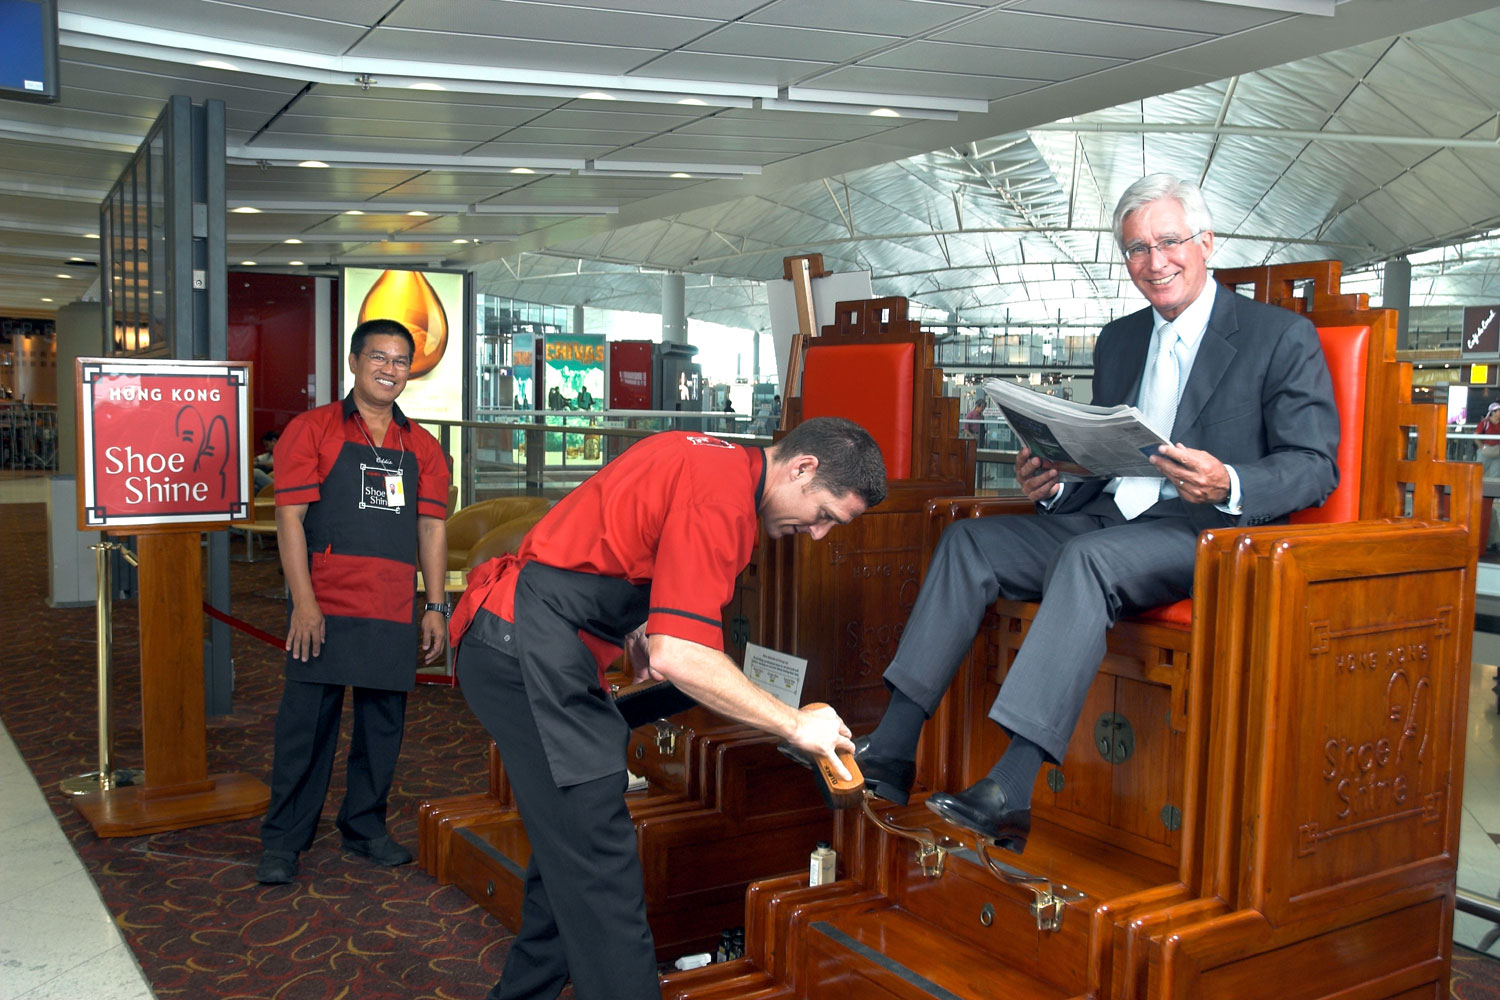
[381, 850]
[888, 778]
[983, 809]
[276, 867]
[837, 792]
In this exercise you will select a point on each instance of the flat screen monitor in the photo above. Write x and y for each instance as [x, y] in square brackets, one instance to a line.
[28, 50]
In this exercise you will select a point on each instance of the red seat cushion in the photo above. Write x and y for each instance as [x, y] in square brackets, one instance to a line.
[870, 384]
[1179, 614]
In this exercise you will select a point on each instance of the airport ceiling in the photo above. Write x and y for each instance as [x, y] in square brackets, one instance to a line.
[965, 151]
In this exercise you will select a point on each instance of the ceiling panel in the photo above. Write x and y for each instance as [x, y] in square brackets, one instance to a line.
[730, 68]
[521, 152]
[439, 47]
[520, 19]
[572, 137]
[873, 80]
[1017, 29]
[679, 141]
[140, 78]
[588, 114]
[1186, 15]
[493, 117]
[289, 29]
[298, 128]
[775, 42]
[796, 126]
[991, 60]
[891, 17]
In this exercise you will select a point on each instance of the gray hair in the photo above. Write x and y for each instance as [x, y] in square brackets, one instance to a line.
[1155, 187]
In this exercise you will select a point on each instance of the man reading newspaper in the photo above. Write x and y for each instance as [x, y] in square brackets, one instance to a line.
[1248, 403]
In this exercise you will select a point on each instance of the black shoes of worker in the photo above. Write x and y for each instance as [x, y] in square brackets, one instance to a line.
[276, 867]
[381, 850]
[982, 807]
[888, 778]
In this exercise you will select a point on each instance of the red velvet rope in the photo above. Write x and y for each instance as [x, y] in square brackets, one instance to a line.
[243, 626]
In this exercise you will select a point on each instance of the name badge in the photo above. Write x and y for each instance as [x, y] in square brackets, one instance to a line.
[395, 493]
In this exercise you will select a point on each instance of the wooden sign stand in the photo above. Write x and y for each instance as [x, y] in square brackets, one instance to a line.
[163, 454]
[178, 791]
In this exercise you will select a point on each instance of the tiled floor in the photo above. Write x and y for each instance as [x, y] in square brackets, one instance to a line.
[1479, 853]
[58, 942]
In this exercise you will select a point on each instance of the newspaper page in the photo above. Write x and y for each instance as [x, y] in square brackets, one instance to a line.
[1081, 441]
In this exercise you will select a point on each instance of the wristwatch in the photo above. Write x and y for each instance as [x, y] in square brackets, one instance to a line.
[445, 609]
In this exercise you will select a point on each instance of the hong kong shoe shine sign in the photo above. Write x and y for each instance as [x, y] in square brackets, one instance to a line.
[162, 443]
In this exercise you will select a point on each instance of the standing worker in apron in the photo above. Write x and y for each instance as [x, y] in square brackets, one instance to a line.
[644, 553]
[361, 496]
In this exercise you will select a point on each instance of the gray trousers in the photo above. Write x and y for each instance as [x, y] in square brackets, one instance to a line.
[1088, 569]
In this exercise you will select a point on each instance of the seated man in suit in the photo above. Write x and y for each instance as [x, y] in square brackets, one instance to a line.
[1246, 393]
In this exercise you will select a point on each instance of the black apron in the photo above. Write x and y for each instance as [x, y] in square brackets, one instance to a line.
[584, 735]
[362, 555]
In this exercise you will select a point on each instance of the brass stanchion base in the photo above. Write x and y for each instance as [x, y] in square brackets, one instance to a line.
[93, 781]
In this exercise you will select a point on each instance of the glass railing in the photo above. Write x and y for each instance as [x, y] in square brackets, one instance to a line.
[548, 452]
[28, 436]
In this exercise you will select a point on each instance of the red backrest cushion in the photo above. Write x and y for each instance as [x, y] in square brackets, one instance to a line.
[870, 384]
[1347, 350]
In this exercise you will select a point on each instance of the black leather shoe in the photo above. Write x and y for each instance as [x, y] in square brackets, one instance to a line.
[837, 792]
[381, 850]
[276, 867]
[983, 809]
[888, 778]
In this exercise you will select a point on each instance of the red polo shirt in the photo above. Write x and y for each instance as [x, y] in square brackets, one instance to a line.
[677, 510]
[311, 443]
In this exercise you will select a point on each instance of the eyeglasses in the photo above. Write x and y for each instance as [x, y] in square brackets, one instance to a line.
[401, 363]
[1137, 252]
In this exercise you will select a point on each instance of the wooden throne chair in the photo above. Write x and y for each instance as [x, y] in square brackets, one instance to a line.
[1268, 803]
[721, 807]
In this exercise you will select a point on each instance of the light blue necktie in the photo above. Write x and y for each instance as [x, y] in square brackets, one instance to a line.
[1161, 386]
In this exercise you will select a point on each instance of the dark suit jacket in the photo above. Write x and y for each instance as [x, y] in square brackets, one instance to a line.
[1258, 398]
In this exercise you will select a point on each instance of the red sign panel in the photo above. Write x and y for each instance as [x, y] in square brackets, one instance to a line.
[162, 443]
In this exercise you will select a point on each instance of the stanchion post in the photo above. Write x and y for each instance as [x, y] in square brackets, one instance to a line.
[106, 777]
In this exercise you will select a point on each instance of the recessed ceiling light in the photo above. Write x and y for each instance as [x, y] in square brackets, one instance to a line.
[66, 277]
[295, 263]
[416, 211]
[245, 210]
[425, 85]
[522, 170]
[45, 299]
[313, 163]
[354, 211]
[292, 240]
[247, 263]
[596, 95]
[218, 64]
[691, 100]
[679, 174]
[91, 236]
[886, 113]
[460, 240]
[76, 260]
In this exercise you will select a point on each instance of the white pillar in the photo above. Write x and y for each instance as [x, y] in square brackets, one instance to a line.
[674, 308]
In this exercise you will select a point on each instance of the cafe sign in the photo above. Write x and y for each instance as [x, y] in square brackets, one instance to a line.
[162, 443]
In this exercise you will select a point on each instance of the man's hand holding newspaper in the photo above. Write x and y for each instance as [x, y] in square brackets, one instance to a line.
[1076, 440]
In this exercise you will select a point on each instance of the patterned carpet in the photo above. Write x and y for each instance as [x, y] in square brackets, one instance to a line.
[187, 901]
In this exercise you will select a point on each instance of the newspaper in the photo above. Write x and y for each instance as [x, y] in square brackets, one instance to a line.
[1081, 441]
